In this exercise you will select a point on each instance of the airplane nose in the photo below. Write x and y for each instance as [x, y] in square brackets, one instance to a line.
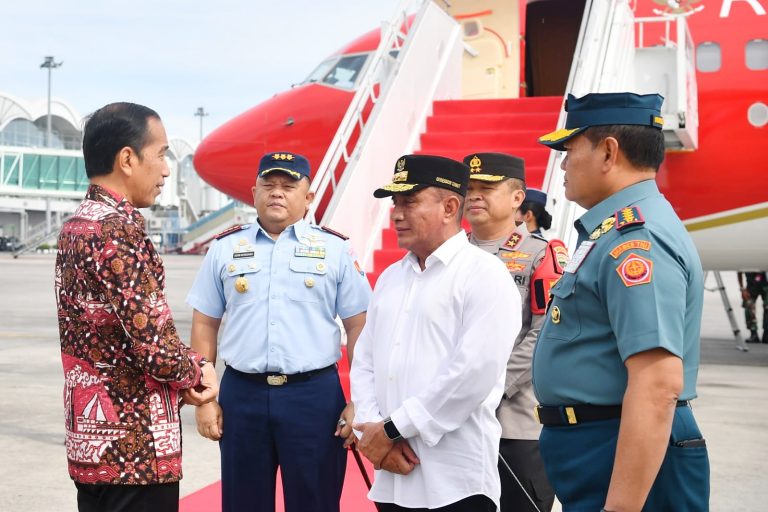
[228, 158]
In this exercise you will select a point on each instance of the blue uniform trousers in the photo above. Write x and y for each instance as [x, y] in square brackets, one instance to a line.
[579, 460]
[290, 426]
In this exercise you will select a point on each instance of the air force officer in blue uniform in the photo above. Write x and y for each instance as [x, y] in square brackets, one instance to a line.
[282, 282]
[616, 361]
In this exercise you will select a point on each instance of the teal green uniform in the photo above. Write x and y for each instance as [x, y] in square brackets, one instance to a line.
[620, 300]
[634, 283]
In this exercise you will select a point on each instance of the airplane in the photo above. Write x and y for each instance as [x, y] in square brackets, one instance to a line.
[525, 50]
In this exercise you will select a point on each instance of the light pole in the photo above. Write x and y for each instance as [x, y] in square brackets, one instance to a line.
[201, 113]
[50, 65]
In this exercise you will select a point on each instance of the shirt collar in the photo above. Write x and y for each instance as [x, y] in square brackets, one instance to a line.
[444, 253]
[299, 228]
[610, 205]
[102, 194]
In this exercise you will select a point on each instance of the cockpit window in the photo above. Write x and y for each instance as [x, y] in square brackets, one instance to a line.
[339, 71]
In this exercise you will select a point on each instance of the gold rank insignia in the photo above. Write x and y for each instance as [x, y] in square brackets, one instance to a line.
[282, 156]
[555, 315]
[629, 216]
[474, 164]
[595, 234]
[607, 224]
[241, 284]
[513, 241]
[309, 282]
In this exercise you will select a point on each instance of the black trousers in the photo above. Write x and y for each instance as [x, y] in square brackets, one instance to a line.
[476, 503]
[128, 498]
[524, 459]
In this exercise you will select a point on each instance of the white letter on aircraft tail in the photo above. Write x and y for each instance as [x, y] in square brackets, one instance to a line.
[725, 10]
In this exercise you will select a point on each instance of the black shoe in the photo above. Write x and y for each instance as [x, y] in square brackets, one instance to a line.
[754, 338]
[765, 337]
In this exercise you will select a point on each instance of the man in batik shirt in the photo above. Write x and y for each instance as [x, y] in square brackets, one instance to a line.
[124, 365]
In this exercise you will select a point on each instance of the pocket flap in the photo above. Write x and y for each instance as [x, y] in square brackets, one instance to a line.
[236, 268]
[565, 286]
[309, 265]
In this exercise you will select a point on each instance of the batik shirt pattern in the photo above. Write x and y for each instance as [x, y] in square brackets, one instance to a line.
[123, 360]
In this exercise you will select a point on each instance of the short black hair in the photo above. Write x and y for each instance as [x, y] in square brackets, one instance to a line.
[110, 129]
[642, 145]
[542, 216]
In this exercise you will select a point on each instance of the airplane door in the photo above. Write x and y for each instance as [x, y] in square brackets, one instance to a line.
[551, 32]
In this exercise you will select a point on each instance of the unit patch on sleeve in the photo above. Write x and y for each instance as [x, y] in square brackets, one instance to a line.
[635, 270]
[620, 249]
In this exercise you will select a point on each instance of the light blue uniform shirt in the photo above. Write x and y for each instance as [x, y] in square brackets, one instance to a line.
[297, 285]
[637, 288]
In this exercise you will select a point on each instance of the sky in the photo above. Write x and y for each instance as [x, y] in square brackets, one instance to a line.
[175, 55]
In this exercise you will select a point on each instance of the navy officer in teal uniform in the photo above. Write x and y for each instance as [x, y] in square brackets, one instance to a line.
[615, 365]
[281, 282]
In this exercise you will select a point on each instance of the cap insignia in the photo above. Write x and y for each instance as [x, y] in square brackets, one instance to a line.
[282, 156]
[400, 176]
[400, 165]
[474, 164]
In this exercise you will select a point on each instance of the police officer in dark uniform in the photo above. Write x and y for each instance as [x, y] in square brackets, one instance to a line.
[615, 365]
[756, 286]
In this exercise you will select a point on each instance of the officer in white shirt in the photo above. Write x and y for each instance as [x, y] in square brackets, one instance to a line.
[429, 366]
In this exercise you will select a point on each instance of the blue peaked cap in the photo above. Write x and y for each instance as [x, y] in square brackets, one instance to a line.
[535, 196]
[292, 164]
[600, 109]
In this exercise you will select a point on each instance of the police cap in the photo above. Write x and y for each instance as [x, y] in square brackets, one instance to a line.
[535, 196]
[494, 166]
[415, 172]
[600, 109]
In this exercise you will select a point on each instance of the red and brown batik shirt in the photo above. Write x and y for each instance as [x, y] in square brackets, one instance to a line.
[123, 361]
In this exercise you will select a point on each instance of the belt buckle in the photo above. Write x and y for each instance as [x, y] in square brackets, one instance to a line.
[536, 413]
[570, 414]
[277, 380]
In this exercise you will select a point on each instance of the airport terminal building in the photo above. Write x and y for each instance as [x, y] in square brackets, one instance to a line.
[43, 179]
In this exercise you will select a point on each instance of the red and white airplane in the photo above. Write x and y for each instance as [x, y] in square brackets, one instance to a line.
[526, 50]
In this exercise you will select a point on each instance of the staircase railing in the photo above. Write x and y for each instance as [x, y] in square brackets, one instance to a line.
[602, 62]
[375, 77]
[39, 234]
[427, 68]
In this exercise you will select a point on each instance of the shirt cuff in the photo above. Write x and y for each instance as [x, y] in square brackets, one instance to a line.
[412, 419]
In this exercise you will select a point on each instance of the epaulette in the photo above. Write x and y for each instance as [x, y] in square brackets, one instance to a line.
[629, 216]
[229, 231]
[329, 230]
[512, 241]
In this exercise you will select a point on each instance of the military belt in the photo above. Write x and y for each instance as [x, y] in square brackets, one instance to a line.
[556, 416]
[278, 379]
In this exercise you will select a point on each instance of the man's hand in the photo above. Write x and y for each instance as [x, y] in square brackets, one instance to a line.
[374, 443]
[344, 426]
[401, 459]
[206, 391]
[210, 421]
[745, 295]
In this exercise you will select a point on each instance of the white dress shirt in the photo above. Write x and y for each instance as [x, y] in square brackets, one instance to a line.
[433, 356]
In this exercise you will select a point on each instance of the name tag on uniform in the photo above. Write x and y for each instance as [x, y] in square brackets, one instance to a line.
[579, 256]
[303, 251]
[246, 254]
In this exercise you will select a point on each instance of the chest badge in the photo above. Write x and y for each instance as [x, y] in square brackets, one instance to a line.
[309, 282]
[555, 315]
[241, 284]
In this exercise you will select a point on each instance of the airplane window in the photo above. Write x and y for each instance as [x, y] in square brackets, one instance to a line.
[320, 71]
[345, 72]
[708, 57]
[757, 54]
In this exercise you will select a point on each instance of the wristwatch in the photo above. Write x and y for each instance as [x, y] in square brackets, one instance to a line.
[391, 430]
[203, 362]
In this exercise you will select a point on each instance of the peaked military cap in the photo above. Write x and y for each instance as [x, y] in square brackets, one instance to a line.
[415, 172]
[536, 196]
[600, 109]
[292, 164]
[494, 166]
